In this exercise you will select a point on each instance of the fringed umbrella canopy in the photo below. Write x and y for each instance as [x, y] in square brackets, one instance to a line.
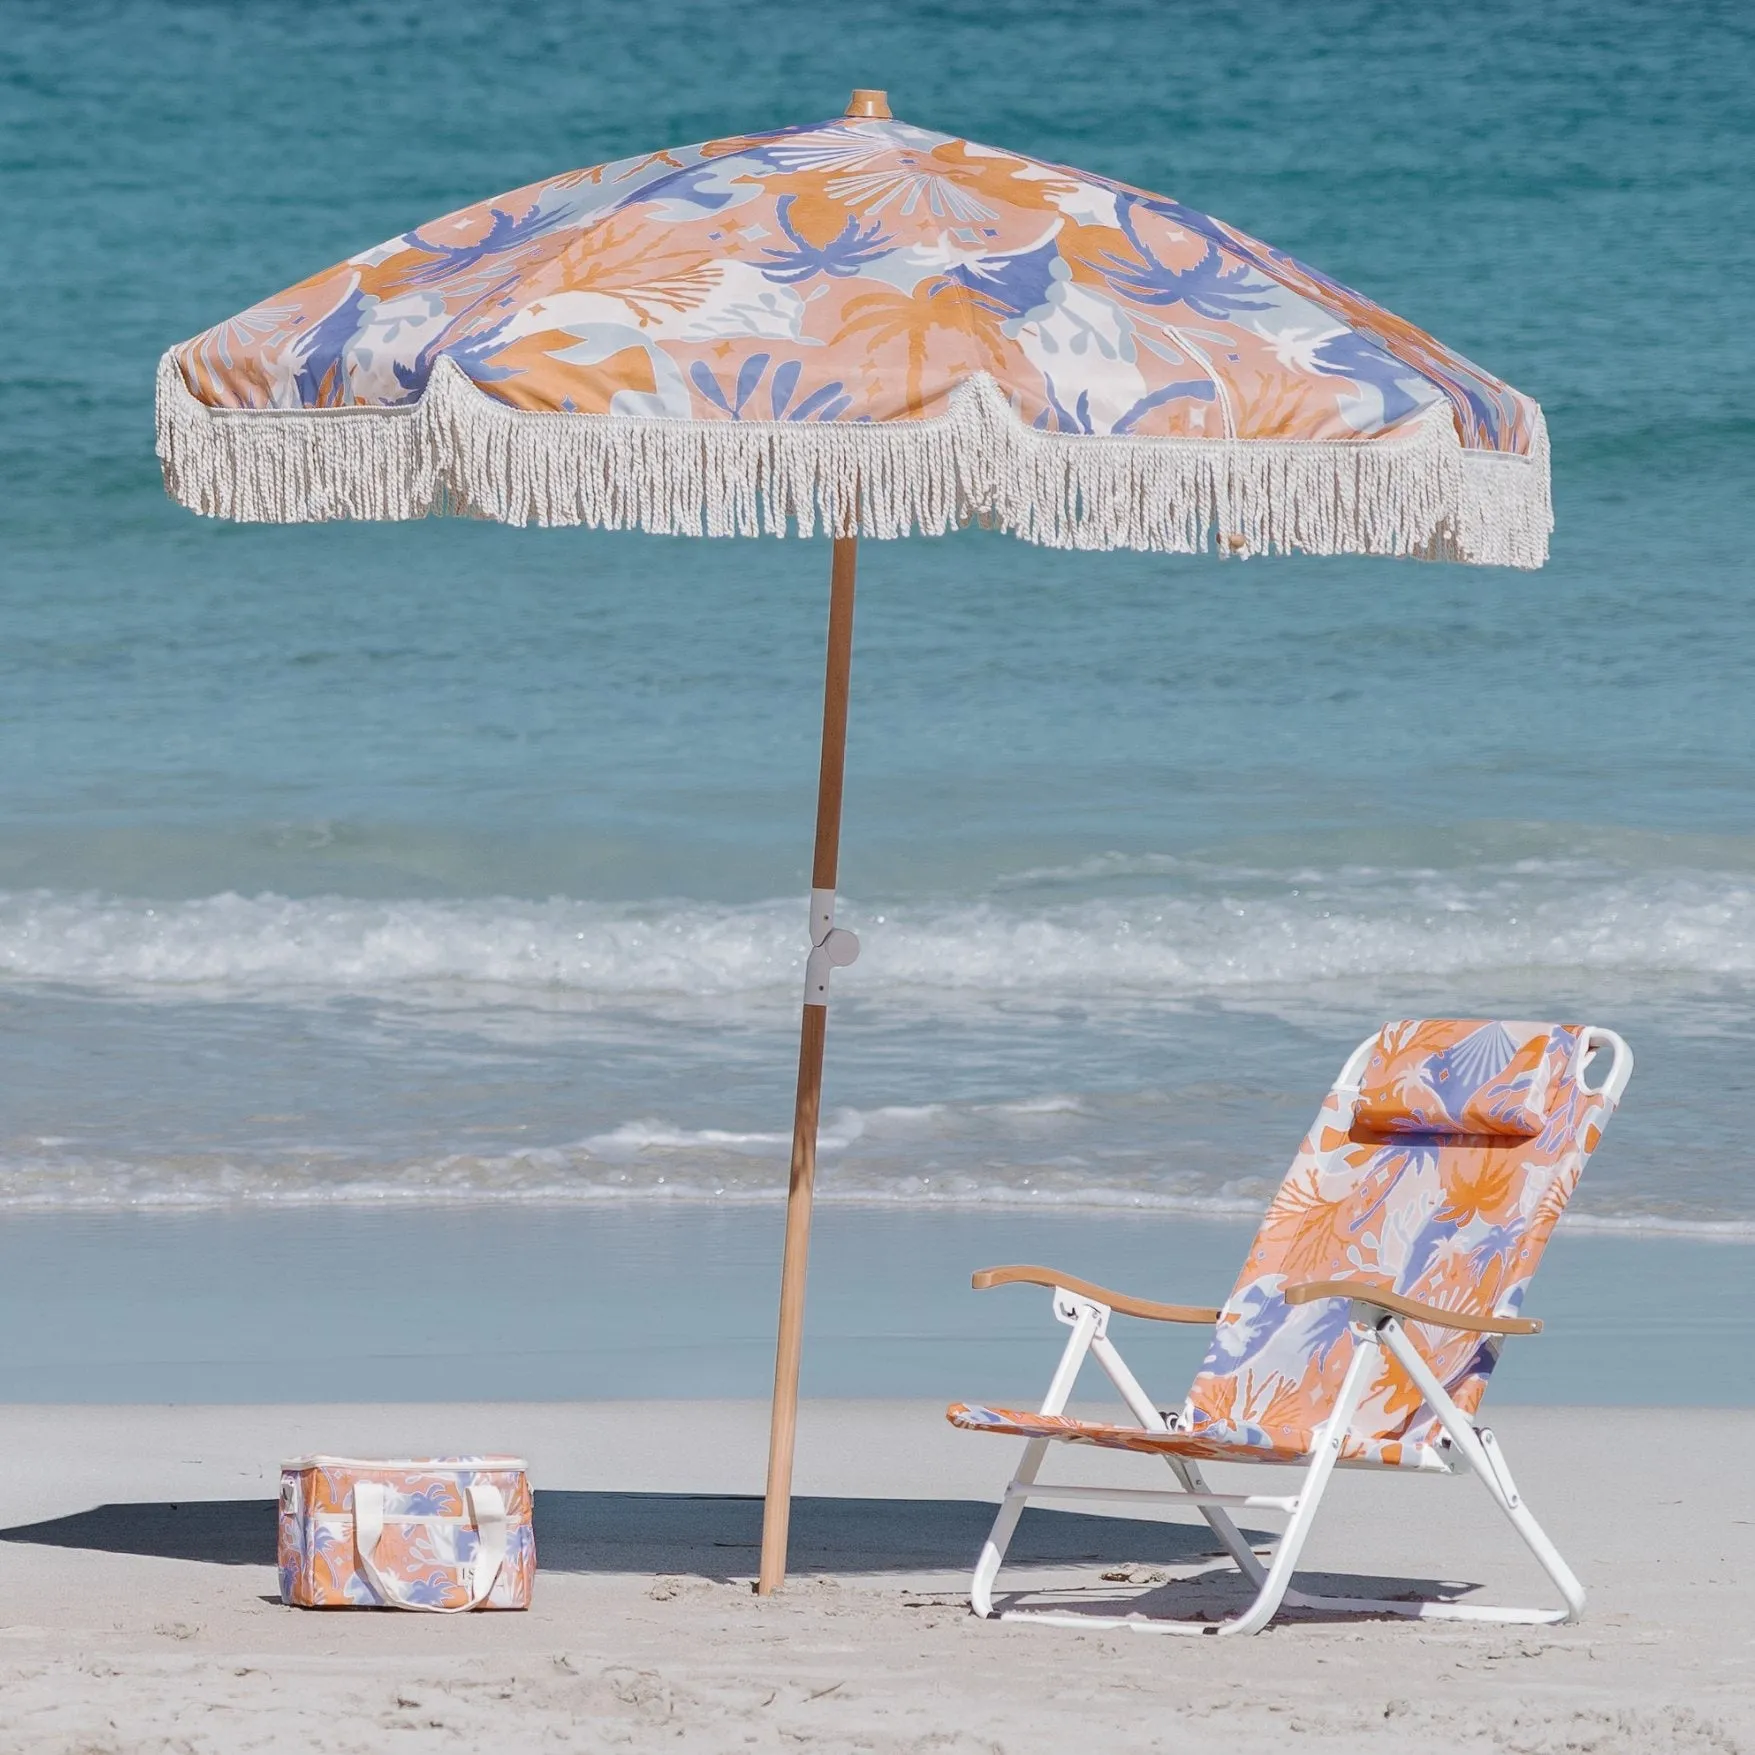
[870, 329]
[861, 326]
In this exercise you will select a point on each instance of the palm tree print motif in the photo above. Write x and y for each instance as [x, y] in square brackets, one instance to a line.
[843, 256]
[822, 403]
[1215, 286]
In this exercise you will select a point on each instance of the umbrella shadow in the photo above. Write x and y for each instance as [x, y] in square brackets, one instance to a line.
[224, 1532]
[718, 1535]
[705, 1535]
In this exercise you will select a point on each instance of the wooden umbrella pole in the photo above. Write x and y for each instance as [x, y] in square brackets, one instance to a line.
[812, 1031]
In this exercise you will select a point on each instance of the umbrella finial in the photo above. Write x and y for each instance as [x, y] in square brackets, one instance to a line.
[869, 103]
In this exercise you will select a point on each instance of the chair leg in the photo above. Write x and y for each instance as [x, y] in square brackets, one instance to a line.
[1268, 1598]
[1086, 1321]
[1005, 1525]
[1272, 1584]
[1480, 1450]
[1186, 1471]
[1523, 1520]
[1219, 1521]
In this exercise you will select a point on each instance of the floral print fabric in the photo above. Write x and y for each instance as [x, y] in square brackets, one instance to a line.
[1457, 1219]
[429, 1542]
[855, 270]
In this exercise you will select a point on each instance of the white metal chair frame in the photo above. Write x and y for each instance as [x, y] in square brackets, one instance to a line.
[1464, 1448]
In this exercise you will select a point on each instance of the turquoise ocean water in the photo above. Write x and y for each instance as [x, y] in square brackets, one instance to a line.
[447, 864]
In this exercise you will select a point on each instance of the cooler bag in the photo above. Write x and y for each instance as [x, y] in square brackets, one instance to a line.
[436, 1533]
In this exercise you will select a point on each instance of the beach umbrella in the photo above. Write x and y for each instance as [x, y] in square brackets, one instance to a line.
[870, 329]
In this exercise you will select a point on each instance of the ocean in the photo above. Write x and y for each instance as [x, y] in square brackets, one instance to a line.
[448, 866]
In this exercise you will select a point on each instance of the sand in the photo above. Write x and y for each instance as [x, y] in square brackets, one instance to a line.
[137, 1607]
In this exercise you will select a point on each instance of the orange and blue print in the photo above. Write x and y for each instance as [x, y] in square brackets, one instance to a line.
[855, 270]
[429, 1540]
[1441, 1178]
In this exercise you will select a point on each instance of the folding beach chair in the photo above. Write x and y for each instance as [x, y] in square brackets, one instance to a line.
[1369, 1315]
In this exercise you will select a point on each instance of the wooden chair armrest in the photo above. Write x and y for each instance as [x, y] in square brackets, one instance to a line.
[1119, 1302]
[1411, 1308]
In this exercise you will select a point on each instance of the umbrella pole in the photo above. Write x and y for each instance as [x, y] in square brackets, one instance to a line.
[802, 1186]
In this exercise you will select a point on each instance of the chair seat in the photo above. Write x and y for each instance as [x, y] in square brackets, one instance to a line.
[1260, 1445]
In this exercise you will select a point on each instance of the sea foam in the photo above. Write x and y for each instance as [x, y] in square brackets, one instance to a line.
[1014, 1050]
[653, 1163]
[1343, 925]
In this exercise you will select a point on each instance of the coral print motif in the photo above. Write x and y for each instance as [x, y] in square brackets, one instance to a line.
[429, 1542]
[856, 270]
[1441, 1178]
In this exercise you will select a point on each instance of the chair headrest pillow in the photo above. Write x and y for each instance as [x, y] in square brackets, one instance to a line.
[1461, 1076]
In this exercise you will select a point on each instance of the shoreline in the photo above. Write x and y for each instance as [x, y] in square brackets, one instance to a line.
[1731, 1232]
[527, 1304]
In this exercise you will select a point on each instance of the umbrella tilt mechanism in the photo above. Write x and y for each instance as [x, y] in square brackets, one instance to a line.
[832, 947]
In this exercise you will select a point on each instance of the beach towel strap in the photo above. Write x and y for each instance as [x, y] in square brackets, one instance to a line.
[487, 1508]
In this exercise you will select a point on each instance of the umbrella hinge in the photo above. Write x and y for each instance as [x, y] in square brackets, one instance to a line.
[832, 947]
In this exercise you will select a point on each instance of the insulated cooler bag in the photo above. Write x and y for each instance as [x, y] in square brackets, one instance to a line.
[439, 1533]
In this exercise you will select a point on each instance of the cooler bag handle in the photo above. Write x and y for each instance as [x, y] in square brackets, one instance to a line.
[487, 1506]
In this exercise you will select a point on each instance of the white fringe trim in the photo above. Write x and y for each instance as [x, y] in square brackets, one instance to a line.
[459, 451]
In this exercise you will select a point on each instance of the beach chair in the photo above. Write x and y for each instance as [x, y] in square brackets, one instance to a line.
[1387, 1272]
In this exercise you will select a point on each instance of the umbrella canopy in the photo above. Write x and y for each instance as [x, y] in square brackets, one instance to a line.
[863, 326]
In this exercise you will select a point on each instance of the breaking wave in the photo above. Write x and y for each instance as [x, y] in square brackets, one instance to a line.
[1206, 939]
[654, 1163]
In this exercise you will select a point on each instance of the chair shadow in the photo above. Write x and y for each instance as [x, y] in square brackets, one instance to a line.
[1221, 1593]
[707, 1535]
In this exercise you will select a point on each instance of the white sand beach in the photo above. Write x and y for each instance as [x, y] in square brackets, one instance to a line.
[138, 1611]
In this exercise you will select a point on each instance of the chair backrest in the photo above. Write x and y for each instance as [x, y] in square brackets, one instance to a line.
[1437, 1167]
